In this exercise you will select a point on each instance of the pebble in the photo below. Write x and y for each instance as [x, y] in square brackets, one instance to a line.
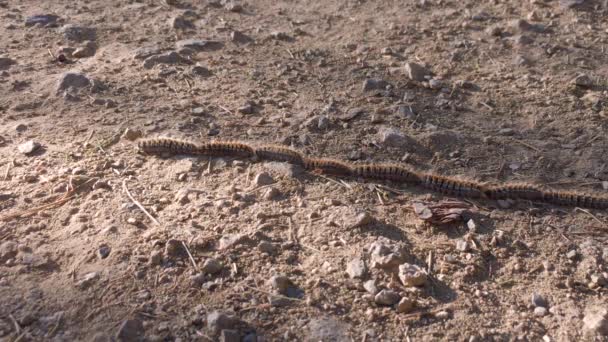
[87, 280]
[267, 247]
[539, 301]
[442, 315]
[229, 335]
[271, 194]
[583, 80]
[371, 287]
[6, 63]
[596, 320]
[435, 84]
[406, 305]
[406, 112]
[156, 257]
[174, 249]
[247, 108]
[416, 72]
[228, 241]
[103, 251]
[385, 256]
[201, 71]
[462, 245]
[387, 297]
[132, 134]
[8, 250]
[180, 23]
[356, 268]
[412, 275]
[540, 311]
[280, 283]
[170, 57]
[323, 123]
[239, 37]
[78, 33]
[211, 266]
[28, 147]
[217, 321]
[199, 45]
[263, 178]
[42, 20]
[362, 219]
[521, 60]
[88, 49]
[74, 80]
[131, 330]
[392, 137]
[571, 254]
[374, 84]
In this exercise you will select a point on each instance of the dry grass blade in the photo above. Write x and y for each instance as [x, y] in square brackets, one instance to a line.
[141, 207]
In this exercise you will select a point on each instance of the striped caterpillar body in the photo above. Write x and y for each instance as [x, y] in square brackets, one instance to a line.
[452, 186]
[279, 153]
[328, 166]
[167, 146]
[514, 191]
[377, 171]
[388, 172]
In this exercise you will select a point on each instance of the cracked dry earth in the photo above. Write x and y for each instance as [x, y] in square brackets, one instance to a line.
[244, 250]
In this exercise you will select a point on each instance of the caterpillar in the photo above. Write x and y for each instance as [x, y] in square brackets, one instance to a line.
[375, 171]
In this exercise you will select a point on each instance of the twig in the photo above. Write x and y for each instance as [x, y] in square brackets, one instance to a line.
[52, 331]
[226, 109]
[190, 255]
[8, 169]
[17, 327]
[141, 207]
[590, 214]
[51, 53]
[272, 294]
[527, 145]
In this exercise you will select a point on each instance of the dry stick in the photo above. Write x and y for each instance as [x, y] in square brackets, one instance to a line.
[190, 255]
[141, 207]
[527, 145]
[17, 327]
[590, 214]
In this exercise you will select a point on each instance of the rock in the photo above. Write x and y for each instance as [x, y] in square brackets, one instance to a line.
[442, 315]
[266, 247]
[596, 320]
[175, 249]
[78, 33]
[28, 147]
[370, 286]
[362, 219]
[199, 45]
[540, 311]
[211, 266]
[8, 250]
[247, 108]
[571, 3]
[228, 241]
[171, 57]
[323, 123]
[327, 329]
[582, 80]
[572, 254]
[385, 256]
[462, 245]
[130, 330]
[239, 37]
[87, 280]
[374, 84]
[387, 297]
[180, 23]
[539, 301]
[218, 321]
[132, 134]
[416, 72]
[406, 305]
[271, 194]
[391, 137]
[73, 80]
[198, 280]
[146, 51]
[201, 71]
[156, 257]
[521, 60]
[5, 63]
[356, 268]
[42, 20]
[280, 283]
[230, 335]
[87, 50]
[263, 178]
[412, 275]
[103, 251]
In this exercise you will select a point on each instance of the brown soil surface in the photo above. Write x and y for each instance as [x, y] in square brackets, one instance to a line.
[502, 91]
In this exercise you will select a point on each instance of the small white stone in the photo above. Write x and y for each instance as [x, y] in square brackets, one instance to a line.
[540, 311]
[412, 275]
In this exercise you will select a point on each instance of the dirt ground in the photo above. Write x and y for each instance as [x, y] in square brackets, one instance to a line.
[240, 250]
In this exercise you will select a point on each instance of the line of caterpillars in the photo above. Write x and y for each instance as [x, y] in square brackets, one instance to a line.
[376, 171]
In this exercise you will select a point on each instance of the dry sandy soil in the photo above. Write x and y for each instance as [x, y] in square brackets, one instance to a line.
[254, 251]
